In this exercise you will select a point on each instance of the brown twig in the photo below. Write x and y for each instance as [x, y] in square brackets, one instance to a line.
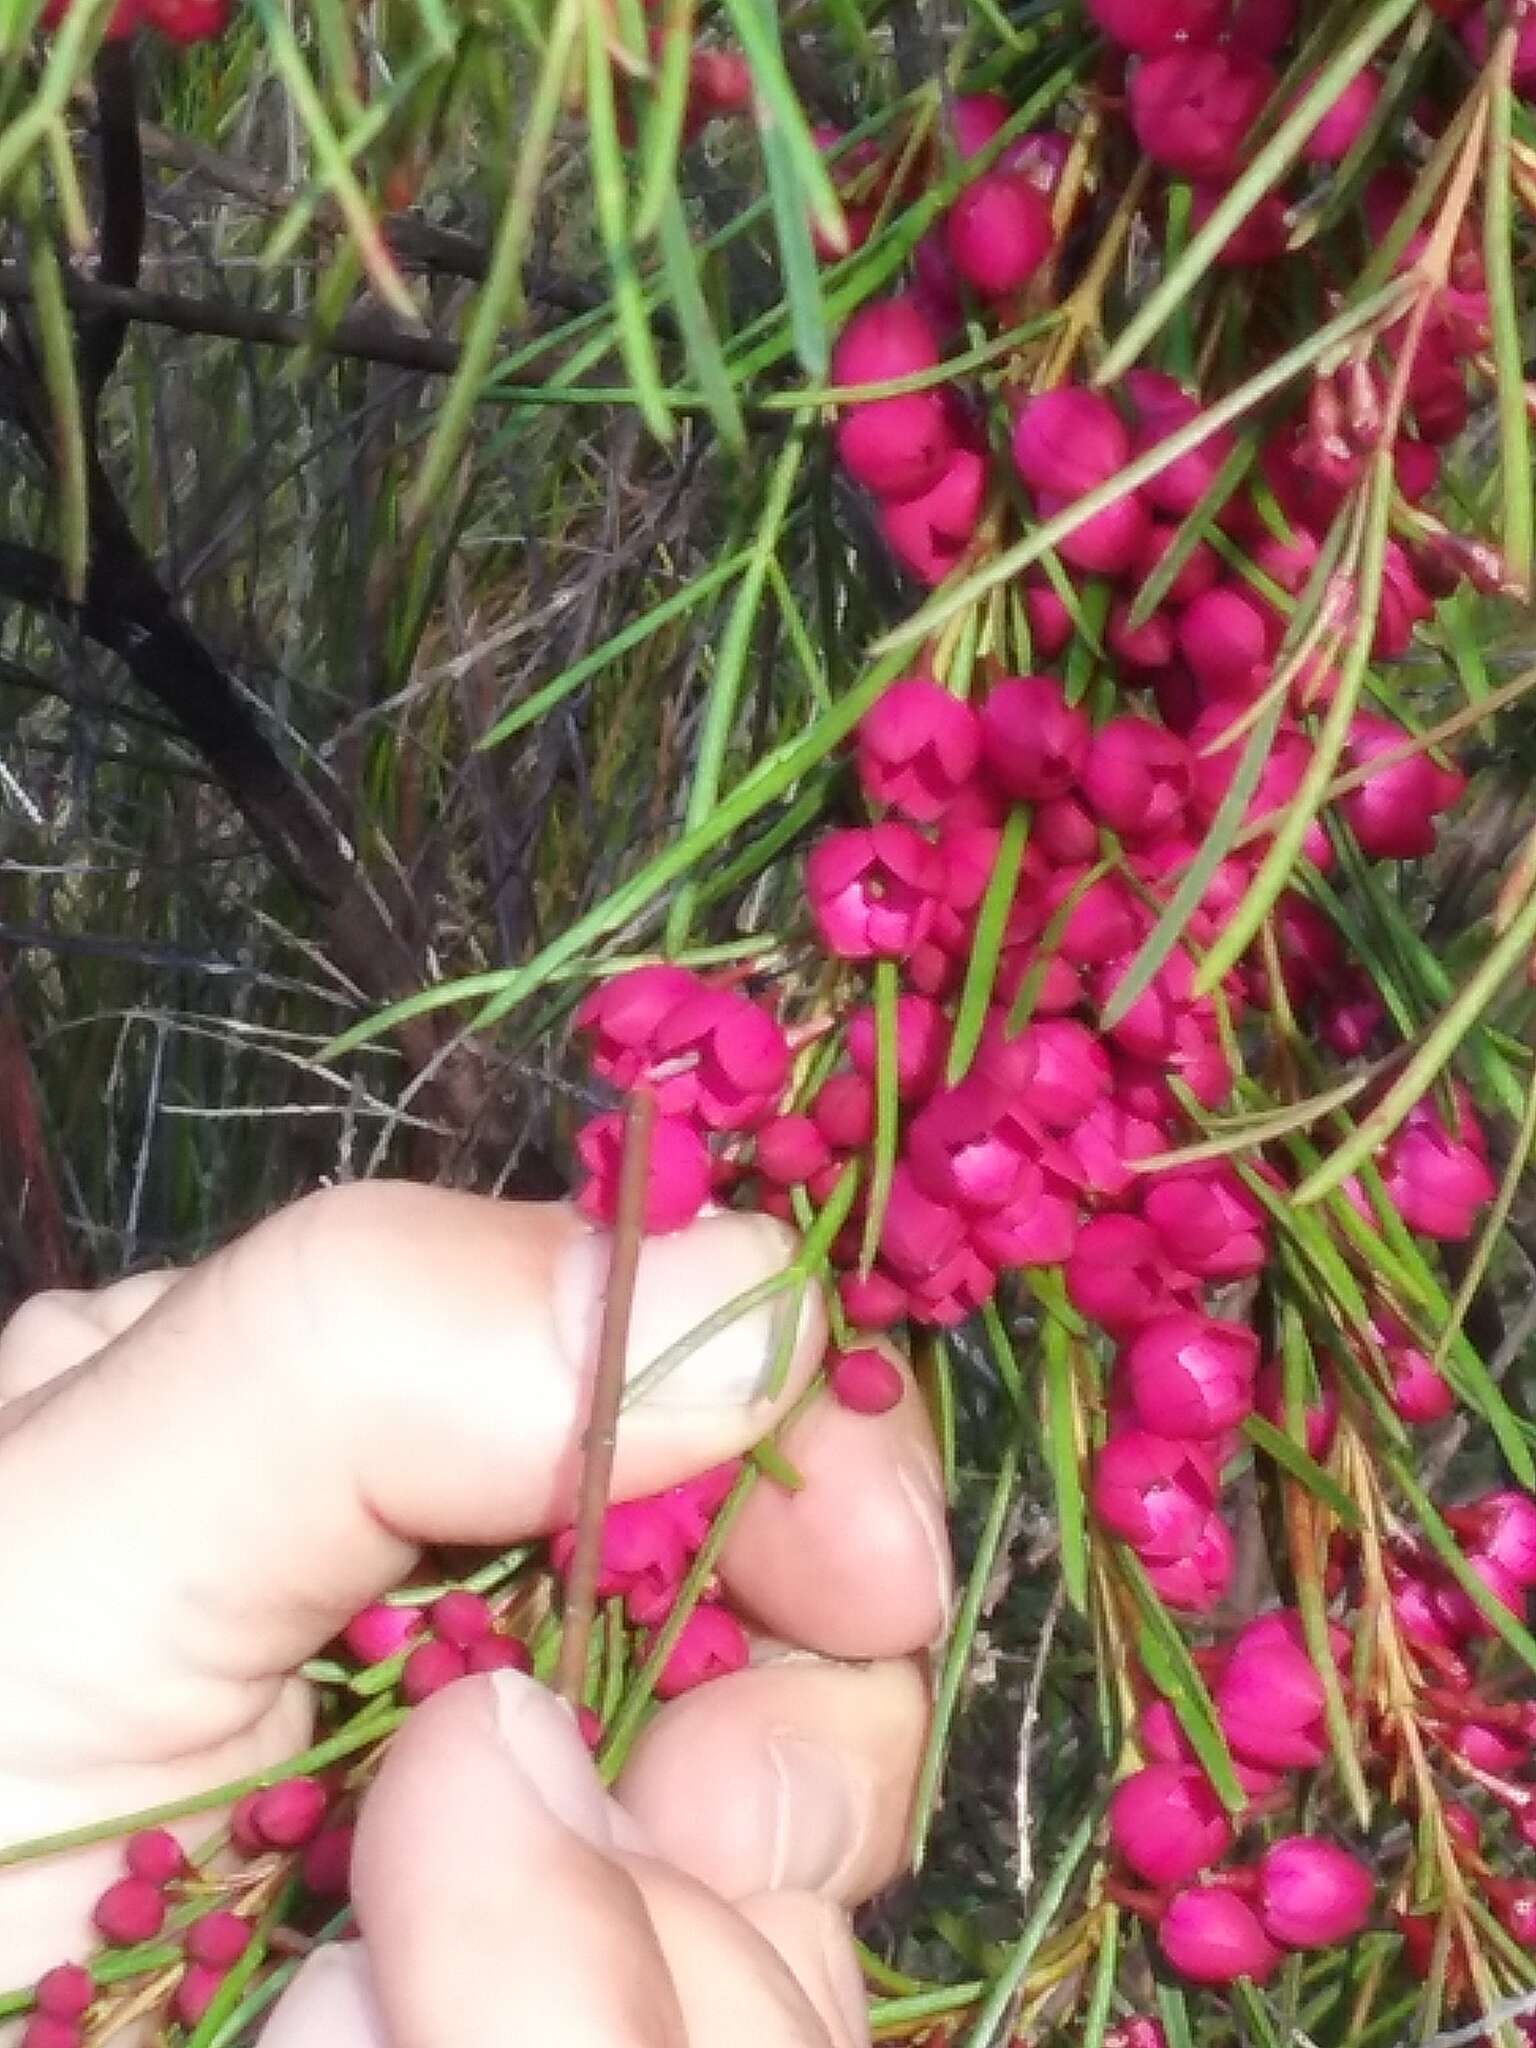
[602, 1432]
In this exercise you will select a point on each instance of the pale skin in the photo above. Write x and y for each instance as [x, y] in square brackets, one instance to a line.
[203, 1474]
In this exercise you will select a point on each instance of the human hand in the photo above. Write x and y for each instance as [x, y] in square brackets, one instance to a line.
[202, 1476]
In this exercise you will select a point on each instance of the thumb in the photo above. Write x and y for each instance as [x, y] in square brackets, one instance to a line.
[377, 1367]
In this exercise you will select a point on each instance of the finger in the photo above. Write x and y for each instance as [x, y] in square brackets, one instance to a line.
[815, 1940]
[329, 2004]
[732, 1983]
[872, 1583]
[486, 1885]
[376, 1367]
[793, 1776]
[52, 1333]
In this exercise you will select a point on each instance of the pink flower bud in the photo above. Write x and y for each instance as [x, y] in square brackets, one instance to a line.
[883, 341]
[1137, 778]
[677, 1175]
[64, 1992]
[1068, 440]
[928, 535]
[1147, 646]
[1034, 742]
[1050, 623]
[973, 119]
[326, 1865]
[917, 747]
[1162, 407]
[1164, 1741]
[377, 1633]
[155, 1855]
[922, 1041]
[790, 1149]
[218, 1939]
[1261, 236]
[130, 1911]
[1208, 1222]
[1502, 1525]
[1212, 1936]
[498, 1653]
[843, 1110]
[461, 1618]
[430, 1667]
[1393, 813]
[1346, 119]
[1198, 571]
[1225, 638]
[1418, 1393]
[199, 1986]
[45, 2029]
[1260, 28]
[1149, 27]
[998, 233]
[1312, 1893]
[1269, 1698]
[1154, 1494]
[899, 447]
[1108, 543]
[622, 1017]
[1192, 110]
[1191, 1375]
[1137, 2032]
[1349, 1015]
[1168, 1824]
[1488, 1748]
[1065, 832]
[712, 1645]
[873, 892]
[865, 1381]
[871, 1301]
[287, 1815]
[1319, 1418]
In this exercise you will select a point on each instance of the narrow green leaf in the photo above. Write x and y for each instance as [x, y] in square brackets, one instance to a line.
[1304, 1469]
[1514, 465]
[1066, 1471]
[680, 268]
[987, 945]
[1165, 1656]
[997, 2008]
[887, 1106]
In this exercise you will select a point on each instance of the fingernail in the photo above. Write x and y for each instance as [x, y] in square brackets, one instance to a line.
[821, 1807]
[683, 1280]
[921, 1483]
[539, 1733]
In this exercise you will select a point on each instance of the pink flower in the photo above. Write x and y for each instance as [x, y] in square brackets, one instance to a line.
[1392, 814]
[644, 1552]
[1119, 1274]
[918, 1235]
[1200, 1579]
[677, 1178]
[1261, 236]
[1055, 1067]
[1208, 1222]
[1437, 1182]
[692, 1506]
[719, 1057]
[1269, 1698]
[917, 746]
[1191, 1375]
[1312, 1893]
[998, 233]
[1167, 1823]
[928, 535]
[1346, 119]
[1164, 1740]
[1154, 1494]
[1502, 1526]
[1137, 778]
[883, 341]
[1099, 1149]
[1349, 1014]
[712, 1645]
[623, 1015]
[1107, 543]
[1213, 1937]
[1418, 1392]
[1034, 742]
[898, 448]
[1068, 440]
[1198, 571]
[1192, 110]
[1038, 1231]
[968, 1151]
[955, 1291]
[873, 892]
[1148, 27]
